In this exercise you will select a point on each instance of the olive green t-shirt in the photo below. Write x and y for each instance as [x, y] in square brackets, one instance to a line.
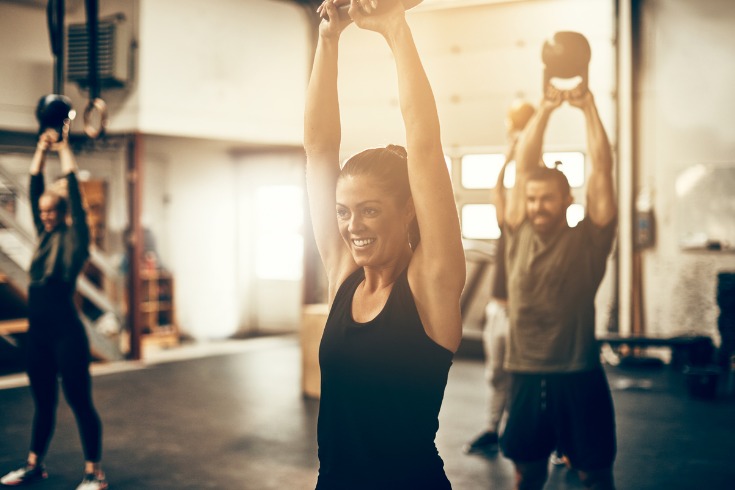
[552, 285]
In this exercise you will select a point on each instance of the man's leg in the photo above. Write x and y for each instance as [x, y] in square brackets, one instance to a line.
[587, 431]
[528, 438]
[597, 479]
[531, 476]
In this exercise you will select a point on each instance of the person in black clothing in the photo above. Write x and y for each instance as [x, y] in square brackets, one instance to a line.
[396, 269]
[57, 343]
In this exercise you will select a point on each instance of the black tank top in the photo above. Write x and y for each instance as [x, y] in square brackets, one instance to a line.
[382, 387]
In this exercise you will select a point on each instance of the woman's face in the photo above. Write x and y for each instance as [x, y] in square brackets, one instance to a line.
[371, 222]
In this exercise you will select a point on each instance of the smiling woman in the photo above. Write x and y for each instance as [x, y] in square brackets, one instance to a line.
[394, 319]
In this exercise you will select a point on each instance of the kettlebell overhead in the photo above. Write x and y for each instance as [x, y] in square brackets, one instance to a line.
[53, 112]
[566, 56]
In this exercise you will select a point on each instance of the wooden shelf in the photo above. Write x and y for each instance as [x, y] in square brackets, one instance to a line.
[157, 308]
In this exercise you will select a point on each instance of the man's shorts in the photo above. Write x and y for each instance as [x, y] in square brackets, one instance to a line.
[569, 412]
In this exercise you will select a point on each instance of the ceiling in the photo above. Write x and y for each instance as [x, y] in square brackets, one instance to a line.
[426, 4]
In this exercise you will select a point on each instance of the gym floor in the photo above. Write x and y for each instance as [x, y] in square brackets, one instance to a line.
[235, 418]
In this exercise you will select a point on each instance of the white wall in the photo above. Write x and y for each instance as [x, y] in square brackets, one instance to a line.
[223, 69]
[216, 69]
[477, 58]
[196, 201]
[266, 305]
[199, 203]
[685, 120]
[25, 57]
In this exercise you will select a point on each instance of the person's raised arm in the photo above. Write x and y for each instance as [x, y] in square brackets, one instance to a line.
[431, 187]
[76, 206]
[601, 203]
[499, 197]
[37, 185]
[437, 266]
[528, 156]
[322, 136]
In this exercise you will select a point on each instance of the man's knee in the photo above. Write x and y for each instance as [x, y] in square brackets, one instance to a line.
[531, 476]
[597, 479]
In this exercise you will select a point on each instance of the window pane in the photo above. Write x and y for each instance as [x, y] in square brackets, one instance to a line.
[479, 221]
[481, 171]
[575, 214]
[572, 165]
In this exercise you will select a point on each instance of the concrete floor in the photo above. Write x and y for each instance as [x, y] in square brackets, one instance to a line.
[237, 420]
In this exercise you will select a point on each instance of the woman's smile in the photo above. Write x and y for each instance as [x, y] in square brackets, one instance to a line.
[363, 242]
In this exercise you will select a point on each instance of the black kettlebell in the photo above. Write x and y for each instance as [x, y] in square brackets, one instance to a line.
[53, 111]
[567, 55]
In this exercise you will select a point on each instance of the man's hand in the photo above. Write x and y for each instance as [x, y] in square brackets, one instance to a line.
[580, 97]
[553, 98]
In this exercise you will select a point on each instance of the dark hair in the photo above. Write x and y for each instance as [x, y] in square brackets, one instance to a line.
[61, 206]
[552, 175]
[389, 165]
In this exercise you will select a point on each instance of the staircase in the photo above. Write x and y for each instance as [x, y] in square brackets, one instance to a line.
[101, 317]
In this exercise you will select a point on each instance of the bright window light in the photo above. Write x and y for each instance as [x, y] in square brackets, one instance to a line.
[280, 257]
[575, 214]
[509, 179]
[481, 171]
[280, 243]
[479, 221]
[572, 165]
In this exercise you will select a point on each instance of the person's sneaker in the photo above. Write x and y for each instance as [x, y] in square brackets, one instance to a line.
[487, 442]
[557, 459]
[93, 481]
[24, 475]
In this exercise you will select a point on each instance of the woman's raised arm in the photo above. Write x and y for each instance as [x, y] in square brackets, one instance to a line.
[322, 136]
[437, 270]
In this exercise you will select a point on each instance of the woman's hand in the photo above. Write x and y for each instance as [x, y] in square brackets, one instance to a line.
[333, 21]
[50, 140]
[381, 16]
[46, 140]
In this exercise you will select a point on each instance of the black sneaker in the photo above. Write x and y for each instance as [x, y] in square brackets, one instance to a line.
[24, 475]
[487, 442]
